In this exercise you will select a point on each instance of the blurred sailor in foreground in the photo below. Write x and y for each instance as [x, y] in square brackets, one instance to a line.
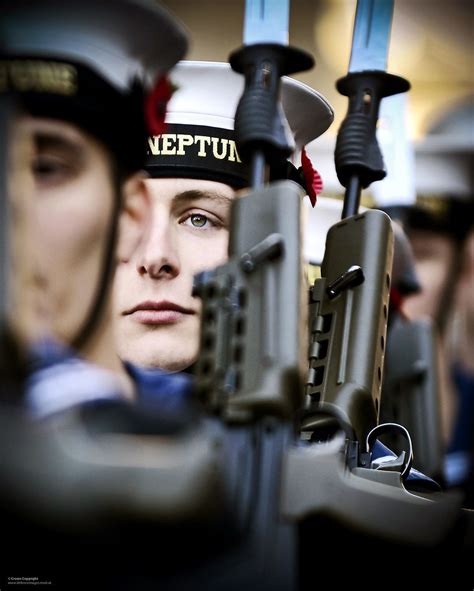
[80, 69]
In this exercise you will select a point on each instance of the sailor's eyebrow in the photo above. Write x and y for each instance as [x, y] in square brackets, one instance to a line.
[196, 194]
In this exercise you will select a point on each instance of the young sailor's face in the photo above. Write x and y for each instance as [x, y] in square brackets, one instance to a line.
[73, 199]
[157, 318]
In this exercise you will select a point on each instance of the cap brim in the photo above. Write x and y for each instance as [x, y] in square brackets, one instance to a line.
[308, 112]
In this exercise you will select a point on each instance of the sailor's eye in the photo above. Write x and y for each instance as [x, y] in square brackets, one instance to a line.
[198, 220]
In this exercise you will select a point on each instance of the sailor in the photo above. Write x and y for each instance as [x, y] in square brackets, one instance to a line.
[195, 173]
[440, 229]
[90, 77]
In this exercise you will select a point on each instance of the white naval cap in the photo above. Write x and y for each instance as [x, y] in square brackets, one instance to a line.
[199, 141]
[121, 40]
[91, 62]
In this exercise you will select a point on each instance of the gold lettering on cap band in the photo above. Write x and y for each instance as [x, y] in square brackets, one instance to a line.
[167, 149]
[184, 139]
[38, 76]
[233, 155]
[202, 140]
[215, 146]
[172, 144]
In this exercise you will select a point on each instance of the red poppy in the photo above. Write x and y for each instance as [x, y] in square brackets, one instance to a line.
[313, 180]
[155, 105]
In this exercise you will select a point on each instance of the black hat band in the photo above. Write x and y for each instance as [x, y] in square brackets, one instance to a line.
[74, 93]
[196, 151]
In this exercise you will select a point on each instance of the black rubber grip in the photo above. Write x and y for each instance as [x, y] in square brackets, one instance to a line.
[257, 124]
[358, 154]
[357, 151]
